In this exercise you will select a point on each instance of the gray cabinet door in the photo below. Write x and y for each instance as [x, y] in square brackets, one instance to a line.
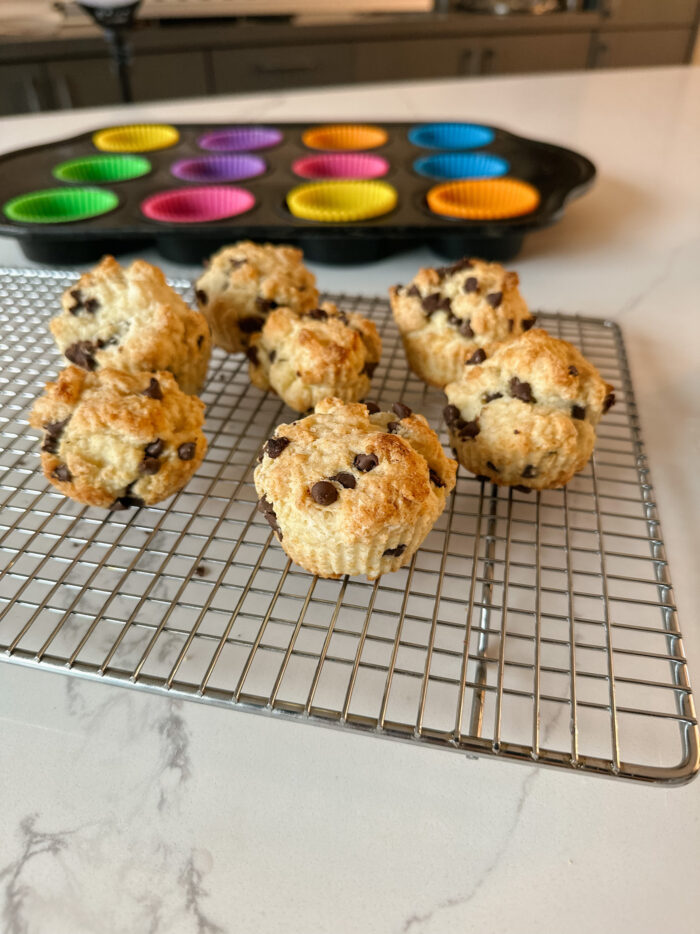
[641, 12]
[82, 82]
[167, 75]
[265, 68]
[640, 47]
[503, 55]
[418, 58]
[24, 89]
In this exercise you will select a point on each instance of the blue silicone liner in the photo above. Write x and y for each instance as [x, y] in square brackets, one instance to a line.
[448, 166]
[451, 135]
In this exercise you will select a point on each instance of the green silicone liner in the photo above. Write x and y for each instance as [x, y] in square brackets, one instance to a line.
[96, 169]
[60, 205]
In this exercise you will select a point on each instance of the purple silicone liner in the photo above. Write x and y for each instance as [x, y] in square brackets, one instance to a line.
[219, 168]
[240, 139]
[197, 205]
[341, 165]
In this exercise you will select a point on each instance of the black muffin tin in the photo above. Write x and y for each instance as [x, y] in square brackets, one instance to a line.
[558, 174]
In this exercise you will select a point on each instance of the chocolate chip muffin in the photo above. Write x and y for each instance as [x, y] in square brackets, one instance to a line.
[457, 314]
[131, 319]
[352, 489]
[526, 417]
[306, 358]
[245, 282]
[117, 439]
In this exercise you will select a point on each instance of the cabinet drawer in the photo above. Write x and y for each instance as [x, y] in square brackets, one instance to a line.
[417, 58]
[168, 75]
[642, 12]
[262, 68]
[641, 47]
[503, 55]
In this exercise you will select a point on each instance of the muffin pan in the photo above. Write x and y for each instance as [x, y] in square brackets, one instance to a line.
[345, 193]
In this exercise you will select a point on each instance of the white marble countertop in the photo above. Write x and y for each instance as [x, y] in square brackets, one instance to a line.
[126, 813]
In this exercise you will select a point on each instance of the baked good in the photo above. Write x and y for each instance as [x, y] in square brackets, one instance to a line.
[246, 281]
[118, 439]
[526, 417]
[351, 489]
[456, 313]
[306, 358]
[132, 320]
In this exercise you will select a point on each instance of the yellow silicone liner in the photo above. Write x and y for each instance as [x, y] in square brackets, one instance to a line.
[340, 202]
[483, 199]
[345, 136]
[136, 137]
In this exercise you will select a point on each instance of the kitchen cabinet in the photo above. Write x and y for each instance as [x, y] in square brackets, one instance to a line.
[264, 68]
[24, 89]
[86, 82]
[505, 55]
[650, 12]
[640, 47]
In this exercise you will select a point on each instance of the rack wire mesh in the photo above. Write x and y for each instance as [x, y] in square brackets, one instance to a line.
[537, 628]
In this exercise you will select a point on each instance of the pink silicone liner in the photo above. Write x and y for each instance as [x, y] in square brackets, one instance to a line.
[345, 165]
[197, 205]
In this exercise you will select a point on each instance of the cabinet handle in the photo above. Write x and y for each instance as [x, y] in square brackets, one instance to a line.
[32, 94]
[65, 93]
[487, 58]
[467, 62]
[600, 54]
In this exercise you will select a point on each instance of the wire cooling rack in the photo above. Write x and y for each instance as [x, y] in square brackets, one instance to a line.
[537, 628]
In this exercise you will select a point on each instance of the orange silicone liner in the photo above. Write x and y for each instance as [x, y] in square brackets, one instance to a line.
[346, 136]
[483, 199]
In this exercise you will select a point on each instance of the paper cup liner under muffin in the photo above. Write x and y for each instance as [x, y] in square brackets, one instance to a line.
[60, 205]
[341, 165]
[340, 202]
[457, 165]
[483, 199]
[240, 139]
[451, 135]
[225, 168]
[97, 169]
[348, 136]
[197, 205]
[136, 137]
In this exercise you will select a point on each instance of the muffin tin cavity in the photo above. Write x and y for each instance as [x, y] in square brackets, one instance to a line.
[484, 199]
[345, 136]
[341, 202]
[234, 168]
[451, 135]
[136, 137]
[341, 165]
[102, 169]
[197, 205]
[456, 165]
[60, 205]
[240, 139]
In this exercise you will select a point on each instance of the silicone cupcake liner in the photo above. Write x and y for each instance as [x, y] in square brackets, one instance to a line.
[240, 139]
[347, 136]
[341, 165]
[457, 165]
[197, 205]
[136, 137]
[485, 199]
[451, 135]
[60, 205]
[219, 168]
[105, 169]
[341, 202]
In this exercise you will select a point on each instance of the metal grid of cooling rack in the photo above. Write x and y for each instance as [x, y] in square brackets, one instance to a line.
[540, 628]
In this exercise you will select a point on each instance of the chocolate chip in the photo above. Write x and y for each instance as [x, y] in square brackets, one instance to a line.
[529, 472]
[515, 431]
[201, 296]
[482, 477]
[413, 291]
[393, 427]
[527, 323]
[81, 354]
[578, 412]
[465, 328]
[266, 508]
[251, 324]
[266, 304]
[398, 286]
[252, 354]
[62, 473]
[274, 447]
[200, 341]
[471, 285]
[369, 369]
[91, 305]
[492, 466]
[402, 410]
[522, 489]
[435, 302]
[521, 390]
[186, 451]
[155, 448]
[469, 429]
[365, 462]
[371, 407]
[126, 502]
[77, 297]
[272, 354]
[435, 478]
[346, 480]
[461, 264]
[324, 493]
[153, 390]
[478, 356]
[318, 314]
[451, 414]
[201, 570]
[494, 299]
[53, 430]
[490, 396]
[394, 552]
[573, 371]
[609, 402]
[150, 465]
